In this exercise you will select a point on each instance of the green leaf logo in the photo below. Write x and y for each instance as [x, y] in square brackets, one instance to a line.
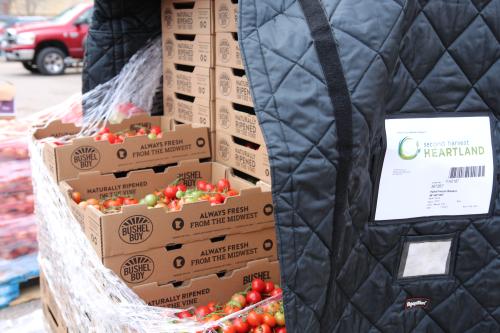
[409, 148]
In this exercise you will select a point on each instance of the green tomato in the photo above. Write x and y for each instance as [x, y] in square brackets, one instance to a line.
[151, 200]
[152, 136]
[180, 194]
[197, 194]
[142, 202]
[190, 200]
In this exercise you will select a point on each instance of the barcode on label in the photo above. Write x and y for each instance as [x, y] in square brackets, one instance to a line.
[468, 172]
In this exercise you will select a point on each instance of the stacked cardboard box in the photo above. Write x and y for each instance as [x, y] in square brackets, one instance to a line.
[239, 140]
[188, 62]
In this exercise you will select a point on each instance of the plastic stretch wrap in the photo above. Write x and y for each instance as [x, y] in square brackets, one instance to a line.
[91, 297]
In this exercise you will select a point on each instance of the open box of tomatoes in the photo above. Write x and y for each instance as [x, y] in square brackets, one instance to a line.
[141, 141]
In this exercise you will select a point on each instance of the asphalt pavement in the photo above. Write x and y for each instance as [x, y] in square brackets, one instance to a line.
[35, 92]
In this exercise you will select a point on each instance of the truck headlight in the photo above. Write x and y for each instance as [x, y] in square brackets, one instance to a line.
[25, 38]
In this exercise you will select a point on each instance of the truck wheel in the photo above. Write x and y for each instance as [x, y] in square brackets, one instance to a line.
[50, 61]
[29, 66]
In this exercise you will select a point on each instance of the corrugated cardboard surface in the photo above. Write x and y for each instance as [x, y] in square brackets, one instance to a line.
[226, 16]
[191, 260]
[232, 85]
[227, 50]
[192, 50]
[188, 16]
[241, 123]
[209, 288]
[188, 80]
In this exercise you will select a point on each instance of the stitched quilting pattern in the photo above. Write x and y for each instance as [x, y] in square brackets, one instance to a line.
[414, 56]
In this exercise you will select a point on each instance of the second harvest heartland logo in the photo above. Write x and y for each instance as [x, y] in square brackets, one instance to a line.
[85, 158]
[135, 229]
[137, 269]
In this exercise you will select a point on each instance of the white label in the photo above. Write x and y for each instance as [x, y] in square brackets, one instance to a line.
[426, 258]
[436, 167]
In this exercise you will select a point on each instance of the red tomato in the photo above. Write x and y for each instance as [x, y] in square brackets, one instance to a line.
[202, 311]
[253, 297]
[103, 131]
[170, 192]
[258, 285]
[114, 204]
[232, 193]
[77, 197]
[110, 137]
[210, 187]
[130, 201]
[121, 200]
[264, 328]
[269, 287]
[271, 307]
[97, 138]
[239, 299]
[142, 131]
[276, 292]
[280, 330]
[254, 318]
[269, 319]
[184, 314]
[231, 308]
[212, 306]
[223, 185]
[181, 187]
[228, 328]
[155, 130]
[241, 325]
[201, 185]
[212, 317]
[216, 199]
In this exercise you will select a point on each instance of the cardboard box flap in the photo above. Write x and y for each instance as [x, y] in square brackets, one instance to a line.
[55, 129]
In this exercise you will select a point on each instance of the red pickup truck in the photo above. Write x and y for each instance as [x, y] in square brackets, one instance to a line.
[49, 47]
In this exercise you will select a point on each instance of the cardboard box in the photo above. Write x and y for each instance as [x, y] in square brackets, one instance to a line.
[239, 120]
[192, 50]
[247, 157]
[137, 228]
[51, 311]
[209, 288]
[85, 154]
[188, 16]
[191, 260]
[190, 110]
[7, 94]
[232, 84]
[227, 50]
[226, 15]
[193, 81]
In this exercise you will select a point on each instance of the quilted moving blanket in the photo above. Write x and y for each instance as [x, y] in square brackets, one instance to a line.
[381, 119]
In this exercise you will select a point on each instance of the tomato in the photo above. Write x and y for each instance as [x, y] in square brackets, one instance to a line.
[151, 200]
[228, 328]
[258, 285]
[264, 328]
[253, 297]
[280, 318]
[103, 131]
[271, 307]
[212, 306]
[77, 197]
[92, 201]
[201, 185]
[181, 187]
[155, 130]
[110, 137]
[184, 314]
[254, 318]
[276, 292]
[121, 200]
[130, 201]
[83, 204]
[114, 204]
[239, 299]
[269, 287]
[170, 191]
[212, 317]
[97, 138]
[280, 330]
[231, 308]
[210, 187]
[202, 311]
[232, 193]
[174, 205]
[241, 325]
[269, 319]
[152, 136]
[223, 185]
[217, 199]
[142, 131]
